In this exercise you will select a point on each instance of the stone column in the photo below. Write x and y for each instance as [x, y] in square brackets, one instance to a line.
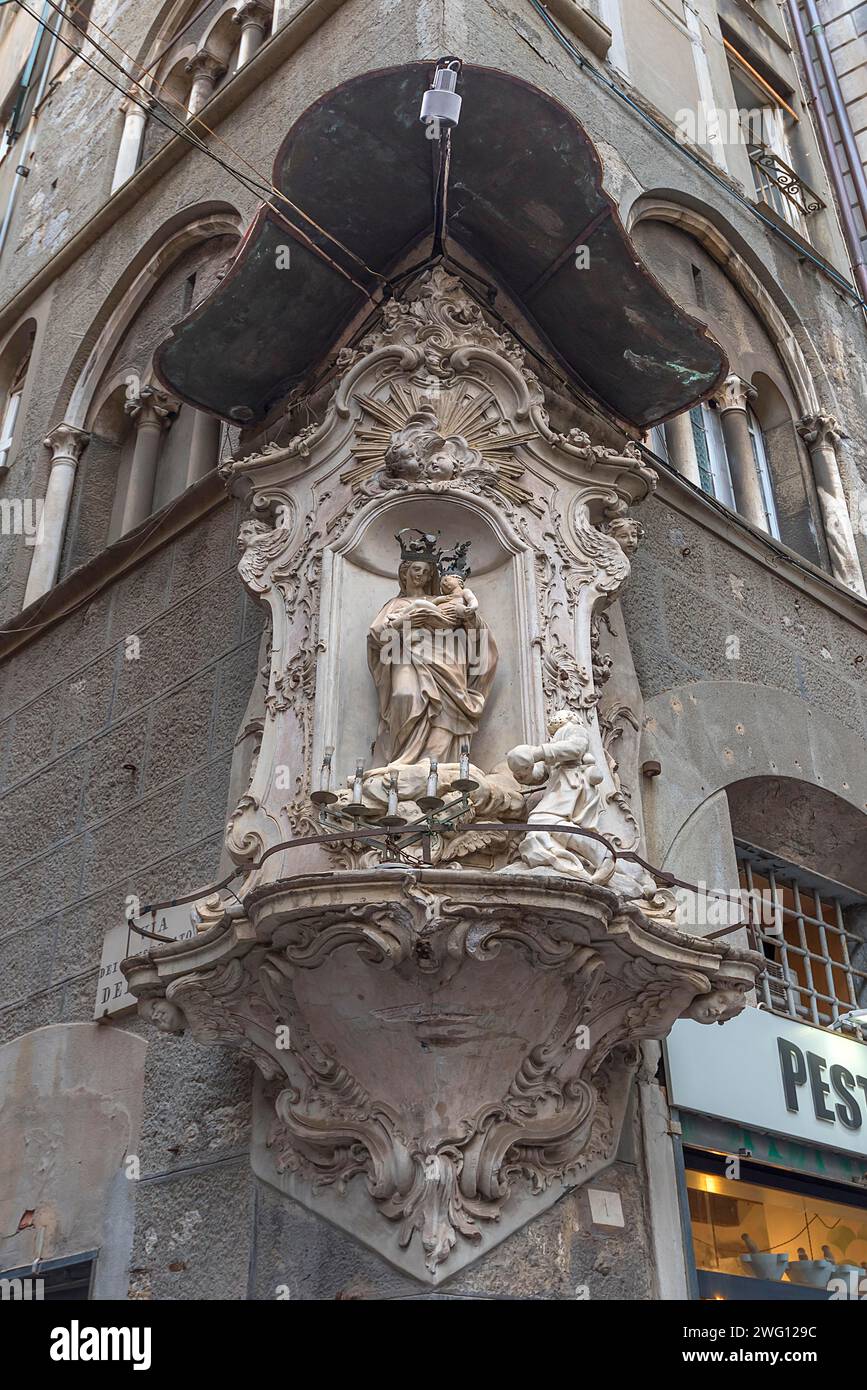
[254, 17]
[66, 444]
[153, 412]
[680, 442]
[733, 397]
[278, 18]
[204, 446]
[820, 433]
[206, 70]
[130, 144]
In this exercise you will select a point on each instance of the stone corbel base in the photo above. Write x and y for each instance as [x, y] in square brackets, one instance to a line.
[444, 1053]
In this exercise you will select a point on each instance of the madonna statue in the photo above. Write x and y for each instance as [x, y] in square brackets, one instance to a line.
[432, 658]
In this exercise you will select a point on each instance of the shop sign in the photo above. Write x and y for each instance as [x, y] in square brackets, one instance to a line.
[773, 1074]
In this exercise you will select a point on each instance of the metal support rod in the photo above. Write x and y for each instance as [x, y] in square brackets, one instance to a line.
[662, 876]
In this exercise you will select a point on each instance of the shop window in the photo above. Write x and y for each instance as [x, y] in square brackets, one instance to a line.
[801, 924]
[768, 1233]
[55, 1281]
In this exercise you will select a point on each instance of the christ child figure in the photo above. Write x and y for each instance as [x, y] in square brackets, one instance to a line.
[454, 591]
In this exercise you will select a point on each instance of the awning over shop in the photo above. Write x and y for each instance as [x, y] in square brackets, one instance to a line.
[524, 191]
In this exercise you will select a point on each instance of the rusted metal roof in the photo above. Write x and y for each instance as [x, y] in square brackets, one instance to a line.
[524, 190]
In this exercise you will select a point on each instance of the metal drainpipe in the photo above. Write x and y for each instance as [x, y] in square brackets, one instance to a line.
[841, 114]
[31, 128]
[850, 230]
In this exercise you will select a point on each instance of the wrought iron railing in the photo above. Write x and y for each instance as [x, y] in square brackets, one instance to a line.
[425, 828]
[775, 177]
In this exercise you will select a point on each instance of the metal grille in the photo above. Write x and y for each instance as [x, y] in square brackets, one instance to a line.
[797, 921]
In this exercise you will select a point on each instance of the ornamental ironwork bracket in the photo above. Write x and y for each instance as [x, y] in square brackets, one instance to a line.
[791, 185]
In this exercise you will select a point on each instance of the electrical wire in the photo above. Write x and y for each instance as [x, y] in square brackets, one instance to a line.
[186, 122]
[246, 182]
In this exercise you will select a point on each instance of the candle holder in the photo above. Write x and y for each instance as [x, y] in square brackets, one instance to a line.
[325, 796]
[356, 807]
[392, 819]
[432, 801]
[465, 783]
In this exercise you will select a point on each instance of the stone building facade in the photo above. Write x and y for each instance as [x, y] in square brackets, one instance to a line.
[232, 301]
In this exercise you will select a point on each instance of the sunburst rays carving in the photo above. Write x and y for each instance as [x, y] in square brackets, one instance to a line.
[460, 416]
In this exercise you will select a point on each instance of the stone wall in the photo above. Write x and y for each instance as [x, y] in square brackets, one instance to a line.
[115, 770]
[691, 592]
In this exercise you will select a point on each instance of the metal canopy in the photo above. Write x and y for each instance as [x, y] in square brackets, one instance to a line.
[524, 189]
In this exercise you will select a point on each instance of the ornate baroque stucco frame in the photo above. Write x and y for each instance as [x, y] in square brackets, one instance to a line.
[443, 1050]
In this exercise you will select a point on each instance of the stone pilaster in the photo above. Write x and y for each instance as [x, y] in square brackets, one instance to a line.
[66, 444]
[207, 71]
[821, 433]
[254, 17]
[681, 447]
[733, 399]
[204, 446]
[129, 149]
[153, 412]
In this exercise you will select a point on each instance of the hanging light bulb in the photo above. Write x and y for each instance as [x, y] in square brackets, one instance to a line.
[441, 105]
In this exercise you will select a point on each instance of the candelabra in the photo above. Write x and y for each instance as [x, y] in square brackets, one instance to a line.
[439, 814]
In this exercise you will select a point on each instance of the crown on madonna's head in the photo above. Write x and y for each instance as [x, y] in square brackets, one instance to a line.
[423, 547]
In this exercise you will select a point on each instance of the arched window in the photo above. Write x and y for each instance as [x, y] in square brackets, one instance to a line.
[76, 23]
[10, 413]
[14, 364]
[714, 470]
[745, 447]
[760, 455]
[144, 448]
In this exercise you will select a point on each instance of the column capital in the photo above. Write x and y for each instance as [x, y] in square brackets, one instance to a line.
[131, 104]
[735, 393]
[820, 430]
[205, 64]
[151, 406]
[65, 442]
[252, 12]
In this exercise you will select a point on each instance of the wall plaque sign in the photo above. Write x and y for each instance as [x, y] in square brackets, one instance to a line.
[112, 993]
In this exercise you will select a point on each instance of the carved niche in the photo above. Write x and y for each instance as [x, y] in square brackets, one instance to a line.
[445, 1045]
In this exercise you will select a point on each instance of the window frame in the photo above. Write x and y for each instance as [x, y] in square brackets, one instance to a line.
[713, 461]
[763, 472]
[11, 411]
[783, 991]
